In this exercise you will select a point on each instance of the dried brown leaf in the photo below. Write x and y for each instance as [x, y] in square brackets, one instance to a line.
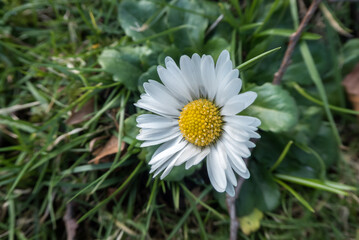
[111, 147]
[351, 84]
[81, 115]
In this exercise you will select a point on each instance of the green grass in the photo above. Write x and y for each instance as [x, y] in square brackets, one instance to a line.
[49, 67]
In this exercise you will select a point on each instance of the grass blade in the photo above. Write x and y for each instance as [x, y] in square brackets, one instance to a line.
[251, 61]
[313, 72]
[295, 194]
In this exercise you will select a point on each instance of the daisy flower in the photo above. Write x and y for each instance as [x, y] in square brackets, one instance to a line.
[195, 118]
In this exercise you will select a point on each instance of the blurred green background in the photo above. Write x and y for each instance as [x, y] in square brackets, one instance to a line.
[71, 168]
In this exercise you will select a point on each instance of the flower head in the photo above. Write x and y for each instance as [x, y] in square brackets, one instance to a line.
[196, 117]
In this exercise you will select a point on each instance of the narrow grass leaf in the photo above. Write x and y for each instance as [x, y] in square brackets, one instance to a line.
[313, 72]
[295, 194]
[251, 61]
[99, 205]
[187, 213]
[287, 33]
[313, 183]
[302, 92]
[282, 156]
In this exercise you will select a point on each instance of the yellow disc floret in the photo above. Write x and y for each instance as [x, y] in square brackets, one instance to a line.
[200, 122]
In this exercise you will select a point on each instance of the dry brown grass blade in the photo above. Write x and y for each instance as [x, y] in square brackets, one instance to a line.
[70, 223]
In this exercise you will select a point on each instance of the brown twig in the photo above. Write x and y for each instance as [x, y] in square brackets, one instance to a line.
[231, 205]
[293, 41]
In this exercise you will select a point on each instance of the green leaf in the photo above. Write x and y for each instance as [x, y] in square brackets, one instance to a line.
[124, 64]
[308, 125]
[150, 74]
[215, 46]
[182, 12]
[130, 129]
[274, 107]
[324, 145]
[179, 172]
[260, 191]
[140, 19]
[350, 55]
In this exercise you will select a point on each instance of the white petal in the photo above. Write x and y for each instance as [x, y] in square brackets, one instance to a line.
[173, 161]
[190, 151]
[166, 153]
[231, 89]
[153, 134]
[163, 147]
[250, 144]
[232, 74]
[242, 120]
[230, 176]
[196, 159]
[209, 77]
[223, 67]
[216, 172]
[238, 147]
[155, 121]
[162, 140]
[230, 190]
[235, 133]
[238, 103]
[174, 84]
[160, 169]
[148, 103]
[161, 94]
[180, 78]
[228, 169]
[234, 160]
[254, 135]
[192, 73]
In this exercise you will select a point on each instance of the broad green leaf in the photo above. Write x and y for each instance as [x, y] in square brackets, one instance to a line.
[150, 74]
[259, 191]
[187, 12]
[215, 46]
[308, 125]
[179, 172]
[140, 19]
[274, 107]
[130, 129]
[350, 55]
[324, 144]
[124, 64]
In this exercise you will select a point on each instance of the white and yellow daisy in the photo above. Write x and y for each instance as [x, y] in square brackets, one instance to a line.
[196, 117]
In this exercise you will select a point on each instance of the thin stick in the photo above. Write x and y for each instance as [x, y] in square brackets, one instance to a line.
[293, 41]
[231, 205]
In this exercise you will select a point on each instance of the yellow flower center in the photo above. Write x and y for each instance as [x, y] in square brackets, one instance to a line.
[200, 122]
